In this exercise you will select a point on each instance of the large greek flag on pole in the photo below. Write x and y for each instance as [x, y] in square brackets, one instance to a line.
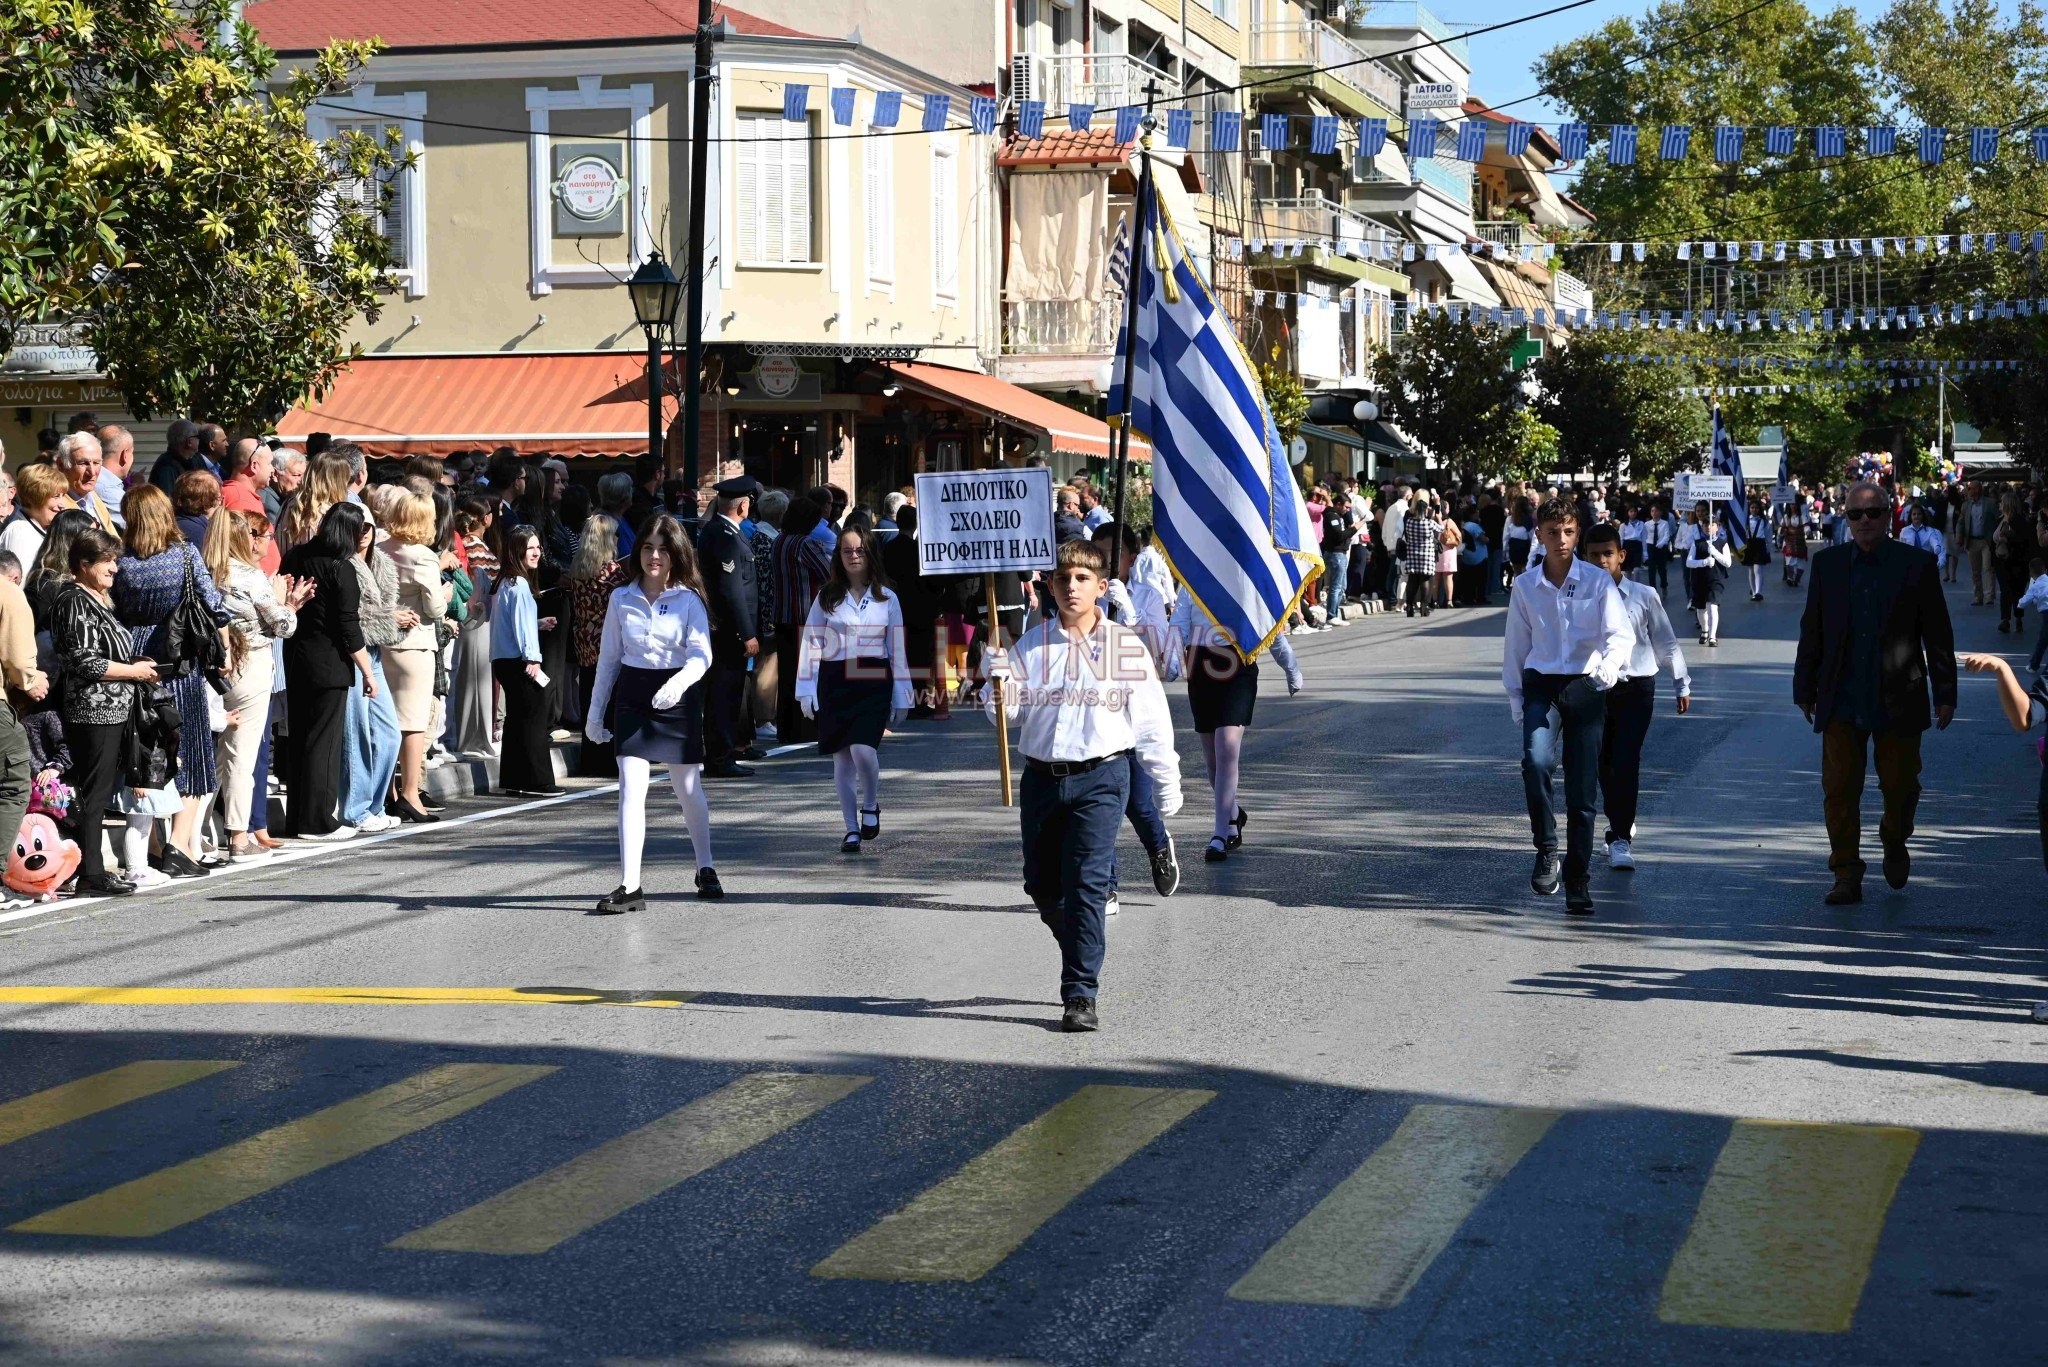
[1728, 461]
[1226, 511]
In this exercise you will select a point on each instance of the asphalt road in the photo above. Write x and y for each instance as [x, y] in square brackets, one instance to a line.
[1359, 1096]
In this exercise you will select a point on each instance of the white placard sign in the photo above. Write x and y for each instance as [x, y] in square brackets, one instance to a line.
[1705, 488]
[1784, 495]
[981, 521]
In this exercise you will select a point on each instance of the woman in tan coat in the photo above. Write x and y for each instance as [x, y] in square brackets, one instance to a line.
[409, 660]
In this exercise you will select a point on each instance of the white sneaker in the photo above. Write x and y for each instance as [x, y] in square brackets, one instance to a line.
[1621, 855]
[333, 837]
[146, 877]
[1111, 907]
[377, 822]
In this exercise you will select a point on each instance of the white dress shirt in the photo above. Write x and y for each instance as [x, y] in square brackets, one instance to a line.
[1927, 539]
[1088, 697]
[1391, 522]
[671, 633]
[1657, 532]
[1577, 627]
[1151, 568]
[862, 627]
[1138, 606]
[1634, 530]
[1656, 644]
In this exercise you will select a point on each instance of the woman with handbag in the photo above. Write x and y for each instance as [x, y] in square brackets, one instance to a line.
[102, 675]
[166, 596]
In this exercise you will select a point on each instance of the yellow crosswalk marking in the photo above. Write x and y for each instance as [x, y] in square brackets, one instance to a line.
[593, 1187]
[70, 1101]
[1369, 1241]
[1787, 1226]
[339, 996]
[214, 1181]
[964, 1226]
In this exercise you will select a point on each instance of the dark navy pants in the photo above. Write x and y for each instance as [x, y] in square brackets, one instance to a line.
[1143, 813]
[1070, 826]
[1630, 705]
[1562, 716]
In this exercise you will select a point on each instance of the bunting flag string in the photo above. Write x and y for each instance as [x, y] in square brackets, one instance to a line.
[1384, 247]
[1808, 387]
[1910, 363]
[1890, 317]
[1463, 139]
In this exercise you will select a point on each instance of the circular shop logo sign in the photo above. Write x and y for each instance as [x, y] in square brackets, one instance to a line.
[590, 188]
[777, 375]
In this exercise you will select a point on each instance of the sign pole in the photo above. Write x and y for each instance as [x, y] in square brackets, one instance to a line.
[995, 635]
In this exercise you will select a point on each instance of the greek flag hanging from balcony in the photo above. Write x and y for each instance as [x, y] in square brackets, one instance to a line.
[1180, 127]
[1472, 140]
[1031, 119]
[1322, 135]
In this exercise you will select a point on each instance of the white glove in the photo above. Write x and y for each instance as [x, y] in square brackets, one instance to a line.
[671, 693]
[995, 663]
[808, 706]
[896, 715]
[596, 732]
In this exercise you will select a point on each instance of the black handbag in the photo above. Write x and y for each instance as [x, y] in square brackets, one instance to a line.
[188, 642]
[150, 747]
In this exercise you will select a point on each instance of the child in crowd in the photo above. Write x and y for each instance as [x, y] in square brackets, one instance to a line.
[2036, 597]
[1633, 700]
[2024, 708]
[1793, 549]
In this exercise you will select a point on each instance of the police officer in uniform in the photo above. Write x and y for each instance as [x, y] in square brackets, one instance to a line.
[727, 561]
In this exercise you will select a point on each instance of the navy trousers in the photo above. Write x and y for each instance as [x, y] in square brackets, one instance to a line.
[1070, 826]
[1630, 705]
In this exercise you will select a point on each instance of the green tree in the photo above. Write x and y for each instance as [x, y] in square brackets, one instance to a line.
[1614, 418]
[1449, 385]
[156, 184]
[1286, 400]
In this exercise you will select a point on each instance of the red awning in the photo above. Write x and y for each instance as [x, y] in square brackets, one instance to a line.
[435, 405]
[1070, 431]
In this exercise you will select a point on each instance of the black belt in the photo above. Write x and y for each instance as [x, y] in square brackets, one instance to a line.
[1063, 768]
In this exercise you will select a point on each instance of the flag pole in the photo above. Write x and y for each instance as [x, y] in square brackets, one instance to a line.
[1121, 420]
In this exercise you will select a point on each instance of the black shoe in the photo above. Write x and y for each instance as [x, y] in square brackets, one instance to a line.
[405, 811]
[708, 886]
[1216, 851]
[753, 752]
[725, 768]
[922, 712]
[102, 885]
[428, 804]
[1578, 900]
[1898, 865]
[1165, 870]
[870, 829]
[1078, 1016]
[850, 845]
[1236, 837]
[178, 864]
[619, 899]
[1547, 873]
[1845, 892]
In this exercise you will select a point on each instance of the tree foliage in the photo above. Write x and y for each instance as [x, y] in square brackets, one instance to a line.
[1450, 387]
[155, 184]
[1286, 400]
[1614, 418]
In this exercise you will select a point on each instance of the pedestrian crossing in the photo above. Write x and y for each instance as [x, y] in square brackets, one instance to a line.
[1782, 1234]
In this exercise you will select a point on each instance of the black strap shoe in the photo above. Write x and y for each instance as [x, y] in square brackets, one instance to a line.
[850, 845]
[1216, 851]
[870, 829]
[620, 899]
[1078, 1016]
[1547, 874]
[1237, 824]
[708, 886]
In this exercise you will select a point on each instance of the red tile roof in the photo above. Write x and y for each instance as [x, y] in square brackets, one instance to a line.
[1066, 147]
[306, 25]
[1538, 139]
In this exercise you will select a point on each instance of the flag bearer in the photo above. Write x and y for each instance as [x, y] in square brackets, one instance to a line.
[1633, 700]
[1086, 696]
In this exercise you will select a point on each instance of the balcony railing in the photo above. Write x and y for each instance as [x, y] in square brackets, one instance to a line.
[1313, 218]
[1106, 80]
[1509, 232]
[1406, 15]
[1455, 181]
[1310, 43]
[1568, 291]
[1061, 327]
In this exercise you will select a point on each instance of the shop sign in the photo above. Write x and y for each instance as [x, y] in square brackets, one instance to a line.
[1434, 95]
[56, 393]
[985, 521]
[778, 374]
[589, 189]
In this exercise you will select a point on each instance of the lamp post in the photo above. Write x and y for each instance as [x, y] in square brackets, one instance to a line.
[656, 294]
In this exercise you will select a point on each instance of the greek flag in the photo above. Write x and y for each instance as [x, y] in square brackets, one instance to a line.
[1728, 461]
[1226, 510]
[1119, 264]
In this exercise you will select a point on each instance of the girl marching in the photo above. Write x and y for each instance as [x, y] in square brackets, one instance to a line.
[853, 676]
[1707, 558]
[647, 701]
[1222, 691]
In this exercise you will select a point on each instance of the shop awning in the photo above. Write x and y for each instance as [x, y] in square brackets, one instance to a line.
[588, 405]
[1336, 436]
[1069, 431]
[1381, 437]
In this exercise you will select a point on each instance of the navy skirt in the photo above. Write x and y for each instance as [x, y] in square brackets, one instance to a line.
[1222, 690]
[672, 737]
[853, 704]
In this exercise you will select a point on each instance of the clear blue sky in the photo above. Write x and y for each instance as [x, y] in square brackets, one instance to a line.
[1501, 61]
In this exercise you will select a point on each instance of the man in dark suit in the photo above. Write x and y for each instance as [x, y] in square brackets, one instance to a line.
[1875, 636]
[727, 560]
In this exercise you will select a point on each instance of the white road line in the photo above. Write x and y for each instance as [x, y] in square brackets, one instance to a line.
[297, 852]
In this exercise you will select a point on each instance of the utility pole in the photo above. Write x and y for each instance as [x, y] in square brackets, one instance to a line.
[693, 253]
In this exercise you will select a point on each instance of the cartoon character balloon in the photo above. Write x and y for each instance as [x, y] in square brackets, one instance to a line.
[42, 859]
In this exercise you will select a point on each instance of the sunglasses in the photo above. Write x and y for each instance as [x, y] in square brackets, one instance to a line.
[1859, 514]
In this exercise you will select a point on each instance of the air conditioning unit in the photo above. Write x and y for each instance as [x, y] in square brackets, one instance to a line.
[1023, 77]
[1256, 153]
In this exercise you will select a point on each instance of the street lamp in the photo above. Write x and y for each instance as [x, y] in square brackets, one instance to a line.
[656, 294]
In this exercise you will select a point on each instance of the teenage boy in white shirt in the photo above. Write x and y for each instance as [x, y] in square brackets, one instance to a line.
[1568, 640]
[1633, 700]
[1085, 694]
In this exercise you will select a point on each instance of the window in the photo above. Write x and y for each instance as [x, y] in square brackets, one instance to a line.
[1062, 29]
[636, 206]
[1027, 25]
[776, 224]
[403, 220]
[365, 195]
[878, 203]
[945, 223]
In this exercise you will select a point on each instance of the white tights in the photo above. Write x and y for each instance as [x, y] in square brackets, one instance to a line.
[635, 777]
[135, 841]
[1756, 581]
[1710, 621]
[857, 772]
[1220, 751]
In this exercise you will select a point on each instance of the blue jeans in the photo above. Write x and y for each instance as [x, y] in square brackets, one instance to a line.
[1336, 565]
[259, 796]
[1070, 827]
[1563, 718]
[369, 749]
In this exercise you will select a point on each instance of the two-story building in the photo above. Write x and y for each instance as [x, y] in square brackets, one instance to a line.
[848, 267]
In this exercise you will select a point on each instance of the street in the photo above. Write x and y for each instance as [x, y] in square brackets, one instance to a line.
[1358, 1096]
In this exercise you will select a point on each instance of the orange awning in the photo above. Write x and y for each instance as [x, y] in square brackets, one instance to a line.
[435, 405]
[1070, 431]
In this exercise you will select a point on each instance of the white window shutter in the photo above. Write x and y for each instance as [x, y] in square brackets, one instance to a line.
[945, 258]
[881, 212]
[396, 214]
[752, 210]
[796, 204]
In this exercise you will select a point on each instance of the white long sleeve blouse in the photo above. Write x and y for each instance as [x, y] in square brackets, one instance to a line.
[863, 627]
[671, 633]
